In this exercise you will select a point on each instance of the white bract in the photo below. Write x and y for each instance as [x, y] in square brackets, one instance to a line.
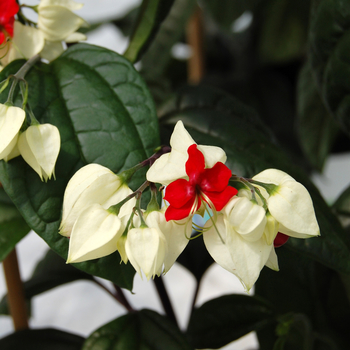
[26, 42]
[39, 146]
[171, 166]
[146, 249]
[58, 22]
[11, 120]
[290, 204]
[94, 234]
[93, 184]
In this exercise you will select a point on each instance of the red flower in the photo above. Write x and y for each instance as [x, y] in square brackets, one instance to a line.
[210, 185]
[280, 239]
[8, 9]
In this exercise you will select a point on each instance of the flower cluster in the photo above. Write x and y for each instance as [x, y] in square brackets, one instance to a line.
[57, 23]
[102, 215]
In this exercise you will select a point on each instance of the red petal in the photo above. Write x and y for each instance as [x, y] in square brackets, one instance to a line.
[8, 9]
[280, 239]
[179, 192]
[216, 178]
[173, 213]
[220, 199]
[195, 164]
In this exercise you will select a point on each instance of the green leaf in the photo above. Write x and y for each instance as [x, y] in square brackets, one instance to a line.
[213, 117]
[142, 330]
[222, 320]
[43, 339]
[329, 42]
[342, 204]
[151, 15]
[196, 258]
[170, 32]
[295, 332]
[283, 31]
[12, 226]
[105, 115]
[314, 121]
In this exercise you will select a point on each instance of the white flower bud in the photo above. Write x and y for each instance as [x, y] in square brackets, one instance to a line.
[39, 146]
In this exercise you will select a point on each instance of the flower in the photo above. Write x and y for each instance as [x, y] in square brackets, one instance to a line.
[39, 146]
[289, 203]
[93, 184]
[176, 234]
[11, 120]
[95, 234]
[8, 9]
[146, 249]
[58, 22]
[247, 232]
[209, 185]
[26, 42]
[171, 166]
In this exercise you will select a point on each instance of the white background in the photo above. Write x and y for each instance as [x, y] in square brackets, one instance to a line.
[81, 307]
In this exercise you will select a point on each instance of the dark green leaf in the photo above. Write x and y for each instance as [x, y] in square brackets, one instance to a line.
[316, 127]
[151, 15]
[294, 332]
[41, 339]
[12, 226]
[215, 118]
[143, 330]
[196, 258]
[342, 204]
[283, 30]
[169, 33]
[105, 115]
[329, 42]
[222, 320]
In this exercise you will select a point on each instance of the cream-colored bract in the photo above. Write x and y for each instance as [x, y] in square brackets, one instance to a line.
[26, 42]
[290, 204]
[57, 20]
[94, 235]
[39, 146]
[93, 184]
[11, 120]
[146, 249]
[171, 166]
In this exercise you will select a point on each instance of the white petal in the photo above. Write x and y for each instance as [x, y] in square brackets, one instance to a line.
[52, 50]
[272, 176]
[15, 150]
[212, 155]
[272, 261]
[292, 207]
[11, 120]
[69, 4]
[28, 155]
[145, 248]
[45, 142]
[75, 37]
[94, 235]
[98, 191]
[242, 258]
[174, 233]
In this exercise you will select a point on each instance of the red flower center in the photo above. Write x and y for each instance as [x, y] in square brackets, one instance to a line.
[208, 185]
[8, 9]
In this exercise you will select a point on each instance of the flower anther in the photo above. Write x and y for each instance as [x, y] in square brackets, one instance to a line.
[209, 185]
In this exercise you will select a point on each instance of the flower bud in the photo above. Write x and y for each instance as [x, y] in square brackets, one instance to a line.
[11, 120]
[146, 248]
[290, 204]
[39, 146]
[94, 234]
[92, 184]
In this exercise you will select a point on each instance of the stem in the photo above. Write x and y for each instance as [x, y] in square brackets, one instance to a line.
[15, 292]
[164, 298]
[26, 67]
[195, 64]
[122, 298]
